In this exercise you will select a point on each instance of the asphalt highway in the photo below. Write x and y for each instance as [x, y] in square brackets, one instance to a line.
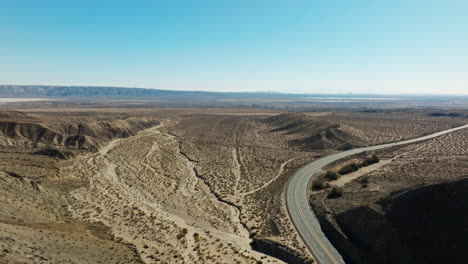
[302, 215]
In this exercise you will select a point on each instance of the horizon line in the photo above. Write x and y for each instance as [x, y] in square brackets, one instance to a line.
[430, 94]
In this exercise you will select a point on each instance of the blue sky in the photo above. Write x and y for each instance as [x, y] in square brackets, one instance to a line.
[290, 46]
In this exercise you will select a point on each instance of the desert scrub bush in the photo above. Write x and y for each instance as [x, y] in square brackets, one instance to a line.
[182, 234]
[370, 160]
[196, 236]
[335, 192]
[318, 185]
[331, 175]
[364, 181]
[348, 168]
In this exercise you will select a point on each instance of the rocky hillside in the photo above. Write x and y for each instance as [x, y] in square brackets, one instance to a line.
[19, 129]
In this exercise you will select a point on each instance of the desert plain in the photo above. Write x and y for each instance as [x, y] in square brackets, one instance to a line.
[97, 183]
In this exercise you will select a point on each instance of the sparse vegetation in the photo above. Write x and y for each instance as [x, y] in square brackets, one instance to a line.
[318, 185]
[335, 192]
[364, 181]
[348, 168]
[182, 233]
[370, 160]
[445, 114]
[254, 154]
[331, 175]
[354, 166]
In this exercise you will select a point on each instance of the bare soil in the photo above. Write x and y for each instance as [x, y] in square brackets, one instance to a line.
[112, 185]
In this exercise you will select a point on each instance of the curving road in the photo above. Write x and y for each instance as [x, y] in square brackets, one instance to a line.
[302, 215]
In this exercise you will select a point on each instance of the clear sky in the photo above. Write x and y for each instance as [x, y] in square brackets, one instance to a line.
[376, 46]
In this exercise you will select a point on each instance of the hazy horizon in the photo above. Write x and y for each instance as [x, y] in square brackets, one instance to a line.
[335, 47]
[319, 93]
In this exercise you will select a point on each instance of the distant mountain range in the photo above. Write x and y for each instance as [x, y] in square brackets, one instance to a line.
[103, 92]
[40, 91]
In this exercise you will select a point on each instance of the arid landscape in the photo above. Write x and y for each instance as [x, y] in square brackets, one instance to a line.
[406, 208]
[233, 132]
[198, 185]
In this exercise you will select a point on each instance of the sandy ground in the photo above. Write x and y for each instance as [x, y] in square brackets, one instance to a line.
[194, 189]
[148, 193]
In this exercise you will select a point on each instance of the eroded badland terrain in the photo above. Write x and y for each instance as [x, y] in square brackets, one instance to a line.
[141, 185]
